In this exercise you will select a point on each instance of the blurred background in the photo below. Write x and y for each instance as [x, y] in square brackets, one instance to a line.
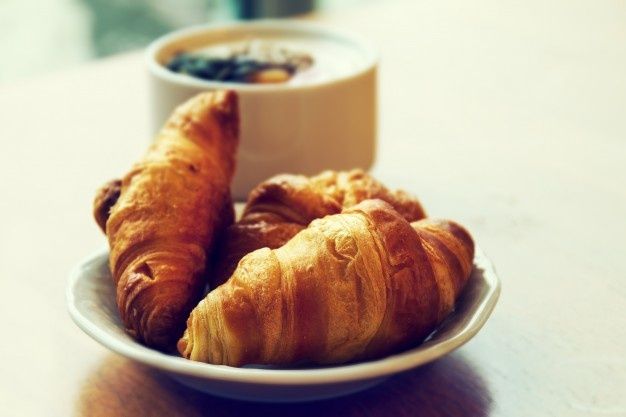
[38, 36]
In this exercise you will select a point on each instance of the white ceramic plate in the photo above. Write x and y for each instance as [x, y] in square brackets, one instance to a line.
[91, 303]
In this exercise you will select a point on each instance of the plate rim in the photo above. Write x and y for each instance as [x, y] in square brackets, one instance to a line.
[389, 365]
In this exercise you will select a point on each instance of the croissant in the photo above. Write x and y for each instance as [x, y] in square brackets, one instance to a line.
[351, 286]
[162, 218]
[282, 206]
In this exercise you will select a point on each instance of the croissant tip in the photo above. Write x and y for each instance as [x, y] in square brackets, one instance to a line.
[105, 199]
[221, 106]
[182, 344]
[226, 110]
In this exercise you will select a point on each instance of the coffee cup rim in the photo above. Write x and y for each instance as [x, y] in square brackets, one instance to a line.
[369, 53]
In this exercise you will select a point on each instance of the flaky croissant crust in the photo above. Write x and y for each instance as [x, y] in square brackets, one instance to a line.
[355, 285]
[162, 218]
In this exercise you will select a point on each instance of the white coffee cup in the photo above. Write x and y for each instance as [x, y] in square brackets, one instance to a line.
[325, 122]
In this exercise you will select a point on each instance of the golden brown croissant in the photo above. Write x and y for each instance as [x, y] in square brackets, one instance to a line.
[161, 220]
[355, 285]
[280, 207]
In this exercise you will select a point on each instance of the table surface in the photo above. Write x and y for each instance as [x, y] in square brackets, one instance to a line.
[509, 117]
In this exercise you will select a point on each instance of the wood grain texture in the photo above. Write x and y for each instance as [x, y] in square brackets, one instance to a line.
[505, 116]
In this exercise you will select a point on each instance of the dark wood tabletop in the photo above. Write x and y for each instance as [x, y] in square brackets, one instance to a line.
[507, 117]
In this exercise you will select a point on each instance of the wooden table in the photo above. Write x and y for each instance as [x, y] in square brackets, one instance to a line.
[510, 118]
